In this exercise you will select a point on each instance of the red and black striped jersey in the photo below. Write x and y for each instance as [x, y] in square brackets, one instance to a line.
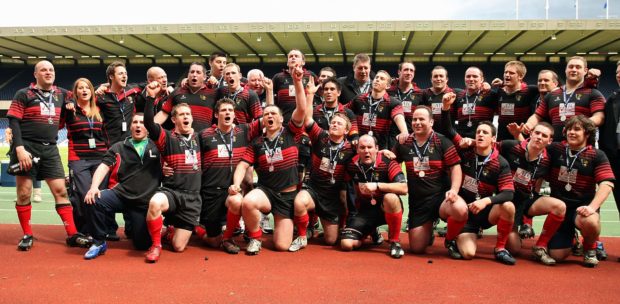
[40, 113]
[583, 172]
[322, 116]
[158, 104]
[524, 172]
[433, 101]
[182, 154]
[201, 103]
[383, 170]
[484, 175]
[558, 104]
[132, 177]
[247, 104]
[275, 161]
[409, 100]
[218, 158]
[116, 110]
[435, 159]
[475, 108]
[81, 130]
[515, 107]
[375, 115]
[329, 161]
[284, 89]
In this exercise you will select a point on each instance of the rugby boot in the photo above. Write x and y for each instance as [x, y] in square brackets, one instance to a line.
[300, 242]
[541, 254]
[229, 246]
[25, 243]
[504, 257]
[153, 254]
[589, 258]
[396, 251]
[453, 249]
[254, 247]
[79, 240]
[526, 231]
[96, 250]
[601, 254]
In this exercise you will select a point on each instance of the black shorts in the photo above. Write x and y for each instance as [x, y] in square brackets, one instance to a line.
[326, 205]
[184, 208]
[522, 206]
[478, 221]
[424, 211]
[49, 164]
[213, 209]
[281, 202]
[563, 238]
[363, 223]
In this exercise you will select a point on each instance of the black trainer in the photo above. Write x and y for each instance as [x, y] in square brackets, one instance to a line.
[396, 251]
[453, 249]
[79, 240]
[25, 243]
[505, 257]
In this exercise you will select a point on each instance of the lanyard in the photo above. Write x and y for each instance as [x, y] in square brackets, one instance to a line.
[272, 151]
[470, 109]
[535, 169]
[327, 113]
[406, 95]
[91, 123]
[364, 171]
[372, 109]
[566, 100]
[189, 143]
[363, 89]
[120, 104]
[426, 145]
[49, 103]
[570, 166]
[228, 148]
[332, 148]
[234, 96]
[479, 171]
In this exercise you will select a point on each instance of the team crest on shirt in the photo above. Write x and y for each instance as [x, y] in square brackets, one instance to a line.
[516, 161]
[557, 98]
[203, 98]
[578, 97]
[182, 97]
[431, 148]
[501, 98]
[518, 97]
[485, 172]
[584, 162]
[380, 107]
[341, 155]
[55, 97]
[130, 99]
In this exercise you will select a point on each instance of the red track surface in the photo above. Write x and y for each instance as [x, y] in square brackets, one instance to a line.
[53, 273]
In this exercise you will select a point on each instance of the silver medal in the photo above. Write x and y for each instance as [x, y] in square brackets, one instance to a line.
[563, 118]
[477, 197]
[332, 181]
[50, 121]
[370, 132]
[271, 168]
[469, 124]
[421, 174]
[568, 187]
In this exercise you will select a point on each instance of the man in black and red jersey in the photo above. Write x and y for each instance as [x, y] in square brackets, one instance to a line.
[572, 99]
[433, 179]
[222, 147]
[217, 62]
[529, 163]
[324, 74]
[487, 188]
[577, 168]
[275, 159]
[474, 104]
[118, 103]
[199, 96]
[158, 74]
[135, 172]
[516, 99]
[34, 117]
[179, 197]
[378, 182]
[358, 82]
[283, 83]
[324, 192]
[376, 111]
[409, 94]
[322, 114]
[247, 104]
[432, 96]
[262, 85]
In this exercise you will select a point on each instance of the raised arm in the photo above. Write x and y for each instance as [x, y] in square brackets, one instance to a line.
[152, 89]
[300, 96]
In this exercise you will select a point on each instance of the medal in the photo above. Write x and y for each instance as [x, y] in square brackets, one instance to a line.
[568, 187]
[469, 124]
[332, 181]
[421, 174]
[50, 121]
[271, 168]
[477, 197]
[370, 132]
[195, 167]
[373, 201]
[531, 195]
[563, 118]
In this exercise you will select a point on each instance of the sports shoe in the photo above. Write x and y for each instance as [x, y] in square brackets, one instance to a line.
[589, 258]
[601, 254]
[25, 243]
[36, 195]
[541, 254]
[298, 243]
[230, 247]
[96, 250]
[265, 224]
[253, 247]
[79, 240]
[577, 248]
[153, 254]
[526, 231]
[377, 237]
[112, 237]
[396, 251]
[453, 249]
[505, 257]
